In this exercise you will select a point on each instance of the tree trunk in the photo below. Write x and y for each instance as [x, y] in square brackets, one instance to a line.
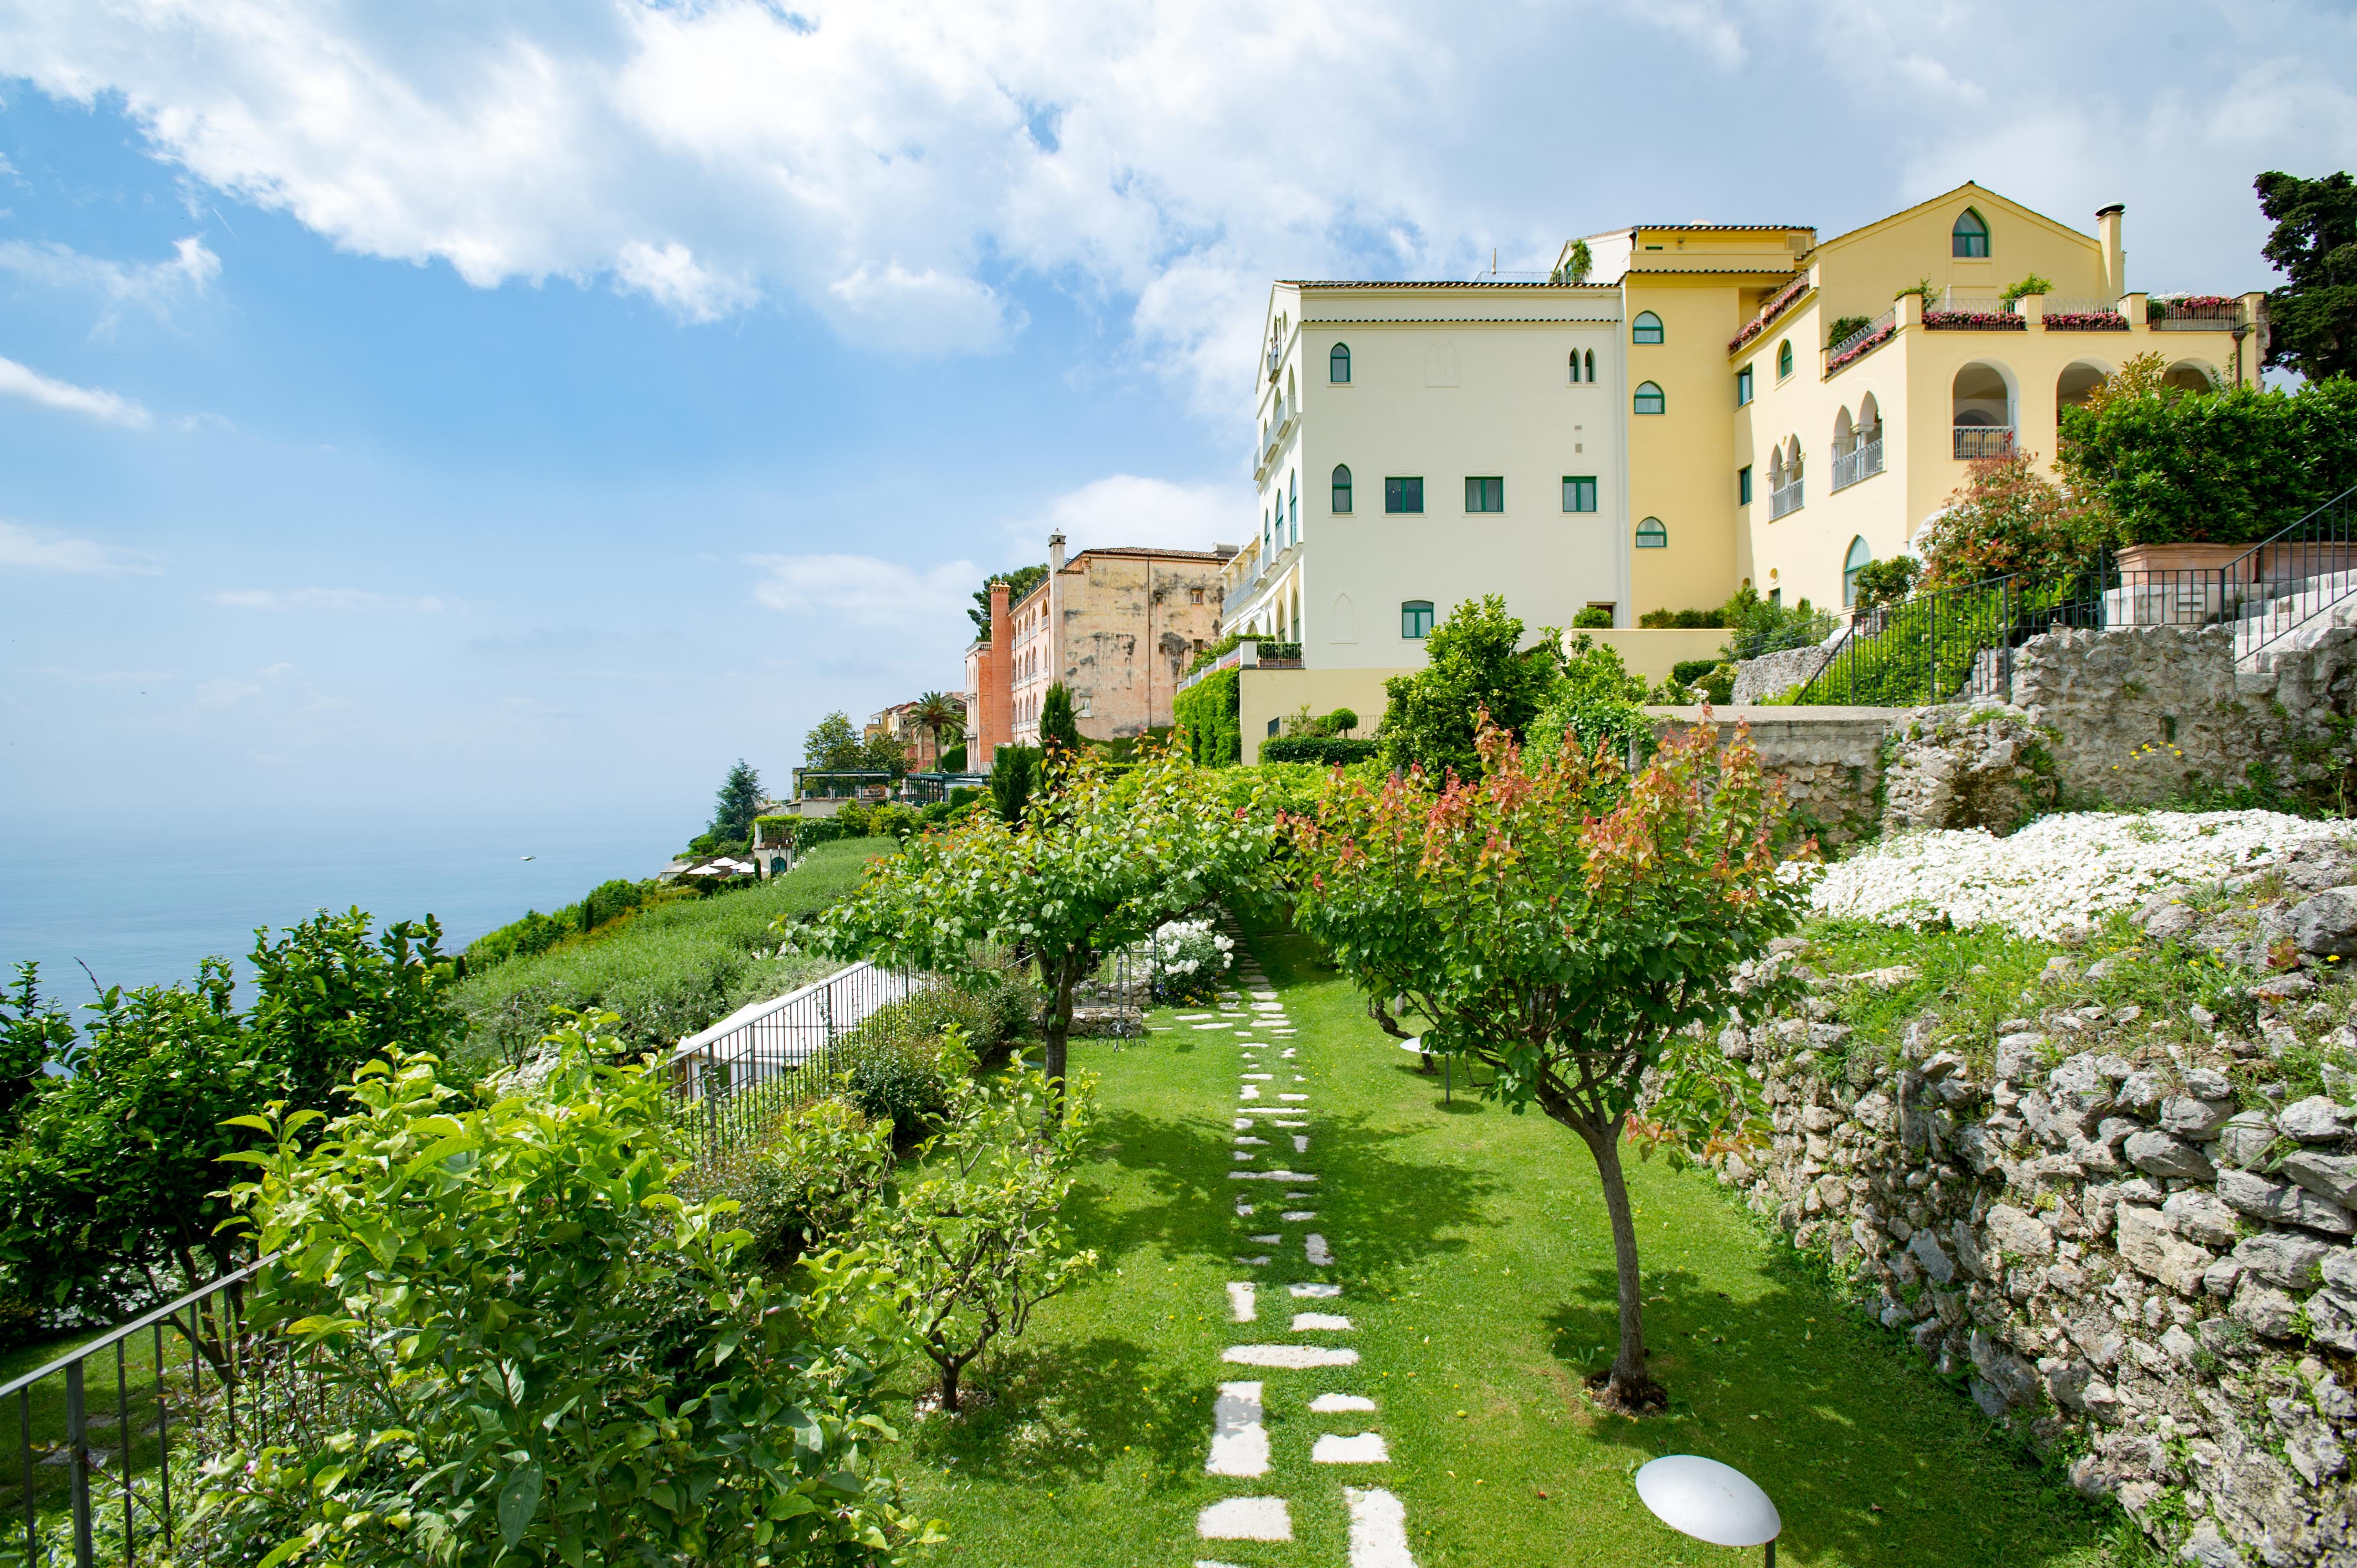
[950, 1371]
[1059, 1032]
[1628, 1387]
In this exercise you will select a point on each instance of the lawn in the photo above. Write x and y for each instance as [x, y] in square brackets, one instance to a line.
[1475, 1268]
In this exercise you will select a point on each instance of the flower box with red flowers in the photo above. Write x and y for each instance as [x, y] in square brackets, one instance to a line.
[1860, 347]
[2087, 321]
[1973, 321]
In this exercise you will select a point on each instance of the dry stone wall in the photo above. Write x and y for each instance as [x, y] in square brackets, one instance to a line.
[2126, 1233]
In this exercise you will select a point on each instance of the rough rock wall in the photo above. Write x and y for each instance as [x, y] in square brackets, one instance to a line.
[1830, 760]
[2140, 714]
[2150, 1276]
[1980, 765]
[1773, 674]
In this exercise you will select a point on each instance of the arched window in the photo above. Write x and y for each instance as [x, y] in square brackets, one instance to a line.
[1341, 501]
[1858, 559]
[1337, 364]
[1293, 502]
[1574, 365]
[1651, 535]
[1970, 236]
[1591, 364]
[1649, 400]
[1415, 619]
[1646, 328]
[1783, 358]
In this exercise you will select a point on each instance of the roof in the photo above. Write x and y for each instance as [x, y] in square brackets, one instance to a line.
[1717, 228]
[1147, 551]
[1969, 185]
[1433, 283]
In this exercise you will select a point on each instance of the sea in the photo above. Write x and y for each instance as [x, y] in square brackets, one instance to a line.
[137, 904]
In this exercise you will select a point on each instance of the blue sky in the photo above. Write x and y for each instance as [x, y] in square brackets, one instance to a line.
[442, 405]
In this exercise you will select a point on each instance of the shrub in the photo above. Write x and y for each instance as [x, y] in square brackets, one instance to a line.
[1687, 671]
[2009, 518]
[529, 1350]
[953, 759]
[1186, 960]
[1474, 663]
[1324, 750]
[892, 821]
[1209, 713]
[1843, 325]
[1599, 700]
[1761, 625]
[802, 1181]
[1592, 618]
[1341, 721]
[1014, 775]
[1709, 620]
[976, 1243]
[1887, 580]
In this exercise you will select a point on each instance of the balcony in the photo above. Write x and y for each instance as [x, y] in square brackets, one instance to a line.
[2197, 313]
[1976, 443]
[1857, 345]
[1860, 462]
[1782, 499]
[2059, 314]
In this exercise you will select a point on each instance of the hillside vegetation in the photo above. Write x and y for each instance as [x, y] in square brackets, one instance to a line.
[668, 970]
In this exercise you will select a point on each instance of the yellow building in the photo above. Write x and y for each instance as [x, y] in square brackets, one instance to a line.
[1845, 413]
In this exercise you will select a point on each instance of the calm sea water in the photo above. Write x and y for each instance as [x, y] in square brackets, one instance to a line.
[142, 911]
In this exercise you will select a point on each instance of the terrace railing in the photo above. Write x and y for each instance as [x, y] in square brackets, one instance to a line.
[107, 1434]
[1975, 442]
[2202, 313]
[2287, 581]
[1785, 498]
[1862, 461]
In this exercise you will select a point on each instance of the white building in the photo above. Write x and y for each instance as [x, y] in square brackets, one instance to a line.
[1425, 442]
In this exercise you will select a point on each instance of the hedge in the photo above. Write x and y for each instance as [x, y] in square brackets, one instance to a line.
[1210, 711]
[1324, 750]
[2227, 467]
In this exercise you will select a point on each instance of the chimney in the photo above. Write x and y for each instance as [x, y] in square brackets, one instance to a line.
[996, 720]
[2107, 234]
[1056, 552]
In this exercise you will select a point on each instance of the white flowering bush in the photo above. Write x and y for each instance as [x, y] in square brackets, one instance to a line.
[2062, 872]
[1186, 960]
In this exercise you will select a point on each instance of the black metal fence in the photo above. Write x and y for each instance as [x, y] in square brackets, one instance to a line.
[110, 1436]
[1959, 643]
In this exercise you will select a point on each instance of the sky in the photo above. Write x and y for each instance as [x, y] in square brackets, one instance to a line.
[449, 407]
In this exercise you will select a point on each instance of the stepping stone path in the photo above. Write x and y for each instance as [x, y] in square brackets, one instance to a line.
[1241, 1443]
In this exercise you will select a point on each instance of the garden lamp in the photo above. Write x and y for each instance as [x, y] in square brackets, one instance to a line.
[1710, 1501]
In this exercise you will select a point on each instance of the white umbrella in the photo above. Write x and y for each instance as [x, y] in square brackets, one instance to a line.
[1710, 1501]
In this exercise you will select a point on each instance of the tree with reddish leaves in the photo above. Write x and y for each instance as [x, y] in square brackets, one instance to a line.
[1581, 931]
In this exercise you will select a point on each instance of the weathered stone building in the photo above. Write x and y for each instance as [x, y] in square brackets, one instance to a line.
[1116, 626]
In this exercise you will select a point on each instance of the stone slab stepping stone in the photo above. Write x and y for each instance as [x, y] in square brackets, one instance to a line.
[1269, 1241]
[1315, 1292]
[1288, 1123]
[1313, 1246]
[1241, 1305]
[1243, 1123]
[1246, 1154]
[1338, 1404]
[1378, 1529]
[1259, 1263]
[1252, 1518]
[1366, 1449]
[1260, 1077]
[1239, 1441]
[1295, 1097]
[1249, 1091]
[1320, 1323]
[1300, 1144]
[1297, 1215]
[1246, 1210]
[1287, 1052]
[1190, 1017]
[1215, 1025]
[1292, 1358]
[1273, 1175]
[1300, 1194]
[1248, 1138]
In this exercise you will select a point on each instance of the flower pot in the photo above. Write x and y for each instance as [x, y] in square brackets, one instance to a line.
[2140, 559]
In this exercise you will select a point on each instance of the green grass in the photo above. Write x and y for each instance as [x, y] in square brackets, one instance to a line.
[668, 970]
[1477, 1269]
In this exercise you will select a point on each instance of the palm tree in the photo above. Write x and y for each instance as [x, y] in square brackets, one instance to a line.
[937, 711]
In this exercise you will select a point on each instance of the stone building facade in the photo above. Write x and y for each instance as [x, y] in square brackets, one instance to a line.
[1117, 626]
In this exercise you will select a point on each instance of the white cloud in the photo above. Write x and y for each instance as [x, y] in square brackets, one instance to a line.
[1124, 508]
[45, 551]
[863, 591]
[226, 692]
[908, 168]
[153, 286]
[341, 599]
[112, 408]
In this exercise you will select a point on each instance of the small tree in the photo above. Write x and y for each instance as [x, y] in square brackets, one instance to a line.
[1014, 773]
[1575, 265]
[975, 1242]
[2009, 518]
[1474, 662]
[530, 1351]
[832, 744]
[1573, 929]
[1059, 730]
[942, 715]
[2312, 319]
[737, 803]
[1599, 702]
[1093, 864]
[1341, 721]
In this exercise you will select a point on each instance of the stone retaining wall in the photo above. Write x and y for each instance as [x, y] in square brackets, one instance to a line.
[1829, 758]
[2153, 1283]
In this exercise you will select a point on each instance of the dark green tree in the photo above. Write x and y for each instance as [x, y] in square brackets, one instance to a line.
[1474, 664]
[833, 742]
[738, 804]
[1020, 582]
[2312, 319]
[1059, 730]
[1014, 774]
[33, 1032]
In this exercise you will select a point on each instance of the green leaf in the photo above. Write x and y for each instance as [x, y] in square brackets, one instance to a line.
[519, 1500]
